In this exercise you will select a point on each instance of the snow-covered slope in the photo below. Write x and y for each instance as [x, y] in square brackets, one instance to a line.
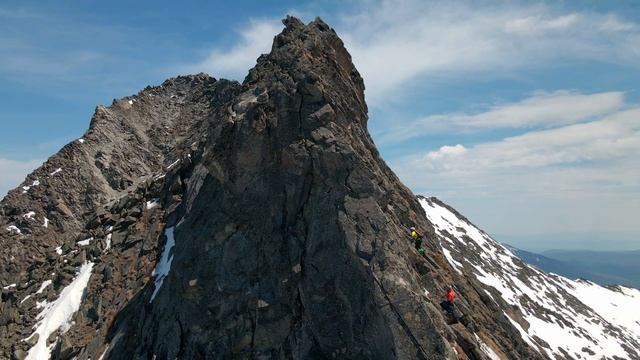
[560, 317]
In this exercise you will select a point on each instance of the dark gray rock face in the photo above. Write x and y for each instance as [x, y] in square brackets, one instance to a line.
[252, 220]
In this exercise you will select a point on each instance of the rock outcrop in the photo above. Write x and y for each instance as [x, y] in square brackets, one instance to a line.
[224, 220]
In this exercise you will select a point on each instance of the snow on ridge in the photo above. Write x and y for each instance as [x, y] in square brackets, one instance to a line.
[164, 264]
[59, 313]
[568, 315]
[27, 187]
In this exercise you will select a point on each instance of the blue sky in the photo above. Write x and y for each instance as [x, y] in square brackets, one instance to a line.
[524, 116]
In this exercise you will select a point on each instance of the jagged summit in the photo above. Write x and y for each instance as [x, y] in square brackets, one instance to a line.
[208, 219]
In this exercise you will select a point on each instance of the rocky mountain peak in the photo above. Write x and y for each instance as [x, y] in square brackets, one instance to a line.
[207, 219]
[313, 58]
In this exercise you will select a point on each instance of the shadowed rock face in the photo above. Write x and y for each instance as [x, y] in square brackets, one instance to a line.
[290, 231]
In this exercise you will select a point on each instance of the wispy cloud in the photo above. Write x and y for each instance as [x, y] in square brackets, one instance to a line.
[29, 50]
[613, 137]
[579, 178]
[235, 62]
[19, 13]
[13, 173]
[400, 42]
[543, 109]
[61, 49]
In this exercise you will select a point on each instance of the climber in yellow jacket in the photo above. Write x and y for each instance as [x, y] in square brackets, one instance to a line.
[417, 240]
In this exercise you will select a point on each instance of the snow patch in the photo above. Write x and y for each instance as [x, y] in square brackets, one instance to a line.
[107, 348]
[107, 239]
[523, 333]
[173, 164]
[9, 286]
[43, 286]
[455, 264]
[81, 141]
[58, 314]
[13, 228]
[152, 204]
[56, 171]
[45, 223]
[59, 250]
[486, 349]
[26, 188]
[85, 242]
[29, 215]
[164, 265]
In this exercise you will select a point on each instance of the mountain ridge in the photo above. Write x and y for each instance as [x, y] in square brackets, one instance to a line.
[206, 218]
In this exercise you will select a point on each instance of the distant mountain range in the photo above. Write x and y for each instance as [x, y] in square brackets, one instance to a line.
[602, 267]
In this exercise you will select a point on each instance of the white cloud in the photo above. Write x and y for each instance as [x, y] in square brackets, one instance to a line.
[613, 137]
[13, 173]
[549, 109]
[580, 180]
[398, 42]
[445, 152]
[234, 63]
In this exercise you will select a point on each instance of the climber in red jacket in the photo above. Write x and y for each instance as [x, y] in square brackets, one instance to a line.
[451, 295]
[447, 304]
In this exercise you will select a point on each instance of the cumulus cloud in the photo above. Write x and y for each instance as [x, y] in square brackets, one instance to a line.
[445, 152]
[13, 173]
[544, 109]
